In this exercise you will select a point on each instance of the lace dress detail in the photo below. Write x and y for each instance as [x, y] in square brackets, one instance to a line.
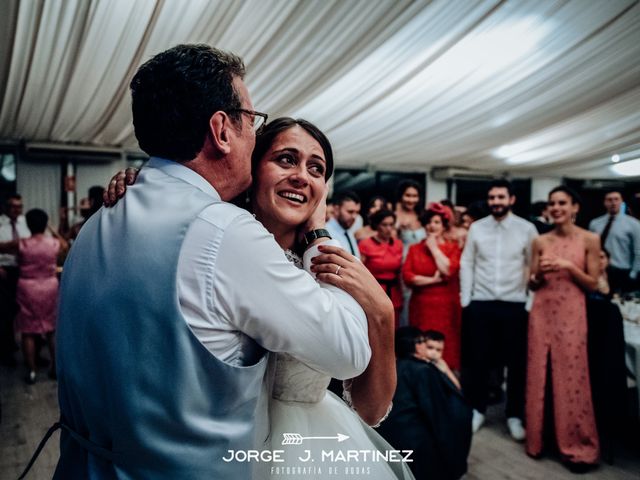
[294, 258]
[296, 382]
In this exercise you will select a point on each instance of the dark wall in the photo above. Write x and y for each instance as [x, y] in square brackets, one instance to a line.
[368, 184]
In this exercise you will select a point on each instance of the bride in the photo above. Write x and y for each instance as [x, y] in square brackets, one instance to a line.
[313, 433]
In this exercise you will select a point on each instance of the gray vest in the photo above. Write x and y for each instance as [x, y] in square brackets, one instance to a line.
[142, 397]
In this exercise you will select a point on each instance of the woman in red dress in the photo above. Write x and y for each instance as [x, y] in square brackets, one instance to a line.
[382, 255]
[431, 271]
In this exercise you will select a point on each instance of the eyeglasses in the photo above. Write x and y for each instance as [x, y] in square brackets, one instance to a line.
[259, 118]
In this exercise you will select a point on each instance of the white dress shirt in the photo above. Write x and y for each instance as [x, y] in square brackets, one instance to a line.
[6, 235]
[495, 260]
[345, 237]
[238, 292]
[622, 242]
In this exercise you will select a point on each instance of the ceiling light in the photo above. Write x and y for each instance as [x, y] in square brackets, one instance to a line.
[615, 158]
[630, 168]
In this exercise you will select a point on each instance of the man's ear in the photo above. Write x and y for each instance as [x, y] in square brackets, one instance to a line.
[219, 126]
[512, 200]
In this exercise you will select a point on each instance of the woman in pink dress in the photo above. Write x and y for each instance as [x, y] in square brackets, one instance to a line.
[564, 264]
[37, 292]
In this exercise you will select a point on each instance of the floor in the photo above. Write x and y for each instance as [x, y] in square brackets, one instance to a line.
[28, 411]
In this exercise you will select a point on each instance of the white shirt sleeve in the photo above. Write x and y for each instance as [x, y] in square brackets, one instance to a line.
[467, 261]
[259, 292]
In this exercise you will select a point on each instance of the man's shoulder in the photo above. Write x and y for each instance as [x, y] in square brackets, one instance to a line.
[598, 220]
[480, 224]
[522, 222]
[332, 222]
[223, 215]
[632, 220]
[333, 226]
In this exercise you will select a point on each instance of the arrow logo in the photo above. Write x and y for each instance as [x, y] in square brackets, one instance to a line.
[297, 439]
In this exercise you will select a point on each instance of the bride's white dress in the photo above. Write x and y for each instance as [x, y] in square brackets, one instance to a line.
[301, 409]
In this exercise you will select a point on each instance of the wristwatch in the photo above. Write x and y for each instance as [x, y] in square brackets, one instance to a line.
[309, 237]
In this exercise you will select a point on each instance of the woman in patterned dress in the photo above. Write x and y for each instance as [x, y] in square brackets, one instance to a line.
[564, 265]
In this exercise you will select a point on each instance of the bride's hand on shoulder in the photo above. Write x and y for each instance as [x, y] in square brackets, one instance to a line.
[337, 267]
[117, 187]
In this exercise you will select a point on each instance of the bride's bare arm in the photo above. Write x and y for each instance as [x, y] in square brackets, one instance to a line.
[372, 391]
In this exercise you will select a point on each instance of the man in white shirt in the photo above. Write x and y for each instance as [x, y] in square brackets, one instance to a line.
[170, 299]
[620, 235]
[13, 227]
[493, 291]
[347, 206]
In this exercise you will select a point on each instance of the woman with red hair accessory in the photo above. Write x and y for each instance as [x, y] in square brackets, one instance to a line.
[431, 271]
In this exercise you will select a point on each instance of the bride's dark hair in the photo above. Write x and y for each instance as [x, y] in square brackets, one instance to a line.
[265, 138]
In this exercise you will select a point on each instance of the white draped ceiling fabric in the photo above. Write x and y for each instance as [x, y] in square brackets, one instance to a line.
[528, 87]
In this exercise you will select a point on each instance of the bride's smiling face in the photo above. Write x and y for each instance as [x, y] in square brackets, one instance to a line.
[289, 181]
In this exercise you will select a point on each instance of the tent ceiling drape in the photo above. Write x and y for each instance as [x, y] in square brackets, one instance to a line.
[529, 87]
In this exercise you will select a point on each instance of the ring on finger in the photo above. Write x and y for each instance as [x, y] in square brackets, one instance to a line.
[338, 269]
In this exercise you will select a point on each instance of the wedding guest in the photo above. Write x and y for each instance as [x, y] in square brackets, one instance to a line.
[564, 265]
[382, 255]
[604, 289]
[435, 348]
[540, 217]
[454, 232]
[620, 235]
[429, 415]
[407, 210]
[409, 205]
[37, 289]
[13, 227]
[475, 211]
[430, 270]
[607, 368]
[88, 206]
[376, 204]
[493, 292]
[347, 210]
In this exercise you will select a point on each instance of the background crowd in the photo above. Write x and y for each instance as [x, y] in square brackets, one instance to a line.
[520, 302]
[477, 291]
